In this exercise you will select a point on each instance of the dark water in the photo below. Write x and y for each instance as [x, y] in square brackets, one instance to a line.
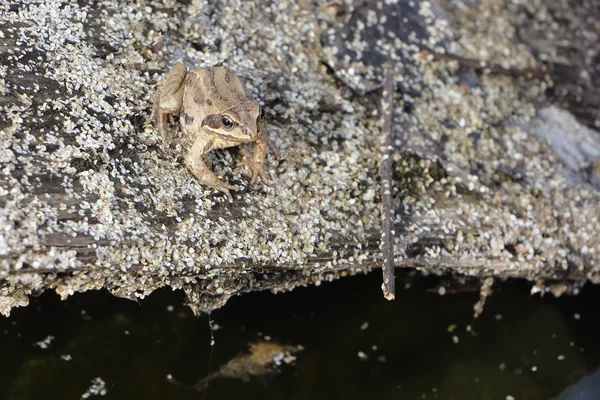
[524, 347]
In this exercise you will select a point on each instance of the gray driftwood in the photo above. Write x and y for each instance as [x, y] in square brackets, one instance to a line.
[493, 176]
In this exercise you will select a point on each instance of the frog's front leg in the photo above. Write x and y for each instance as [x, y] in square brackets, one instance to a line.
[255, 160]
[195, 163]
[168, 99]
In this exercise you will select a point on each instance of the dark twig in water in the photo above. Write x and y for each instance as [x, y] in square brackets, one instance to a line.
[483, 66]
[385, 170]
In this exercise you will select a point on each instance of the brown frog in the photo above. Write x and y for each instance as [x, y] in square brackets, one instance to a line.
[216, 111]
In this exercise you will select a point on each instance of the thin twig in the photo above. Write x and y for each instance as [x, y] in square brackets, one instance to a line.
[385, 170]
[478, 65]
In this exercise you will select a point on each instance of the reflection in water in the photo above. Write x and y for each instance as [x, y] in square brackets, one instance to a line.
[264, 360]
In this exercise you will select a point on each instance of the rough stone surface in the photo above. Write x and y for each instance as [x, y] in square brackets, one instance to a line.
[88, 201]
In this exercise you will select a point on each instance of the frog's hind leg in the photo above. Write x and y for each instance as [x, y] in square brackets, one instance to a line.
[194, 161]
[168, 100]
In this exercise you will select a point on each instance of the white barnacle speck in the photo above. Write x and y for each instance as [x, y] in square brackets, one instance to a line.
[96, 388]
[44, 344]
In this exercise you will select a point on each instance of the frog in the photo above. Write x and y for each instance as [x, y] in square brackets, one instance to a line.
[215, 111]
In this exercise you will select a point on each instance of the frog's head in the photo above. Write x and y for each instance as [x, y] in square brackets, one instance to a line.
[240, 123]
[229, 111]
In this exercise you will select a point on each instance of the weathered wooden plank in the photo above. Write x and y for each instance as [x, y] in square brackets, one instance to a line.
[88, 201]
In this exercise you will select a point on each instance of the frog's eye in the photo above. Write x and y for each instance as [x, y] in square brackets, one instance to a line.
[227, 122]
[261, 112]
